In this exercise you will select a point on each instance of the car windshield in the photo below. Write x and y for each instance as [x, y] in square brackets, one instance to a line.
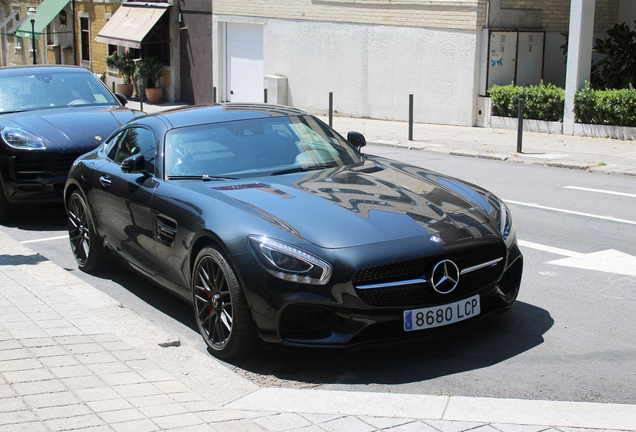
[247, 148]
[36, 90]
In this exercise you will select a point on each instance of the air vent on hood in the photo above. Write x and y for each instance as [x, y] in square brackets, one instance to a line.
[242, 186]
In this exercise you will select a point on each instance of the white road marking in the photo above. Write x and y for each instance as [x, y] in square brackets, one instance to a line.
[609, 261]
[609, 218]
[45, 239]
[601, 191]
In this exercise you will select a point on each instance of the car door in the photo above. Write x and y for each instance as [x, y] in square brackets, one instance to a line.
[123, 200]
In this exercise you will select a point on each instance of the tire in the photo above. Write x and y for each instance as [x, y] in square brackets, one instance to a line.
[220, 308]
[85, 244]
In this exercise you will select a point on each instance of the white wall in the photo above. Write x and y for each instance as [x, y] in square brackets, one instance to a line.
[371, 70]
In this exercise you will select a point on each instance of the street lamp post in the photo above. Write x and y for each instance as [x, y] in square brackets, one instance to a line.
[32, 14]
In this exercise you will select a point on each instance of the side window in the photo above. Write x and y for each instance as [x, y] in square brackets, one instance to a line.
[131, 142]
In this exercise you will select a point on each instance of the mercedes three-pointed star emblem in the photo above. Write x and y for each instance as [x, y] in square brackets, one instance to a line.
[445, 277]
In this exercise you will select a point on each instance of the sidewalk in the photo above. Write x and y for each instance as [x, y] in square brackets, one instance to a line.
[602, 155]
[72, 358]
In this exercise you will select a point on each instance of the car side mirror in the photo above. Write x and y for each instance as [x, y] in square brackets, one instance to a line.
[356, 139]
[134, 164]
[121, 98]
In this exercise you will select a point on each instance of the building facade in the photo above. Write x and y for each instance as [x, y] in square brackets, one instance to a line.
[373, 54]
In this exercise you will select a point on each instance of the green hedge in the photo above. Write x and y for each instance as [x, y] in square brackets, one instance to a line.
[606, 107]
[541, 102]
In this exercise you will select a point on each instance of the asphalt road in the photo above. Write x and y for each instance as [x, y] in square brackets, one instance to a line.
[570, 336]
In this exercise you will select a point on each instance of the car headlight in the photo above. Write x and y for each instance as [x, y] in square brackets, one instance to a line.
[290, 263]
[22, 140]
[507, 227]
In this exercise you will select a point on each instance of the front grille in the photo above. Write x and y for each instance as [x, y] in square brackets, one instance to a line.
[422, 293]
[38, 165]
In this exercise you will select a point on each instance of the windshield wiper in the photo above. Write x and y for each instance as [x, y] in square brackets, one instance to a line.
[203, 177]
[302, 169]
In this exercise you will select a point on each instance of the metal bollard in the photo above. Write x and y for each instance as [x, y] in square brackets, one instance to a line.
[214, 94]
[265, 95]
[330, 109]
[520, 126]
[410, 117]
[141, 96]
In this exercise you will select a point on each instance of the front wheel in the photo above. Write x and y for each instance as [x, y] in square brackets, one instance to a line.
[84, 242]
[220, 307]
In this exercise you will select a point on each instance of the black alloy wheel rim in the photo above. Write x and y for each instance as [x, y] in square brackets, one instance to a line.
[213, 303]
[79, 231]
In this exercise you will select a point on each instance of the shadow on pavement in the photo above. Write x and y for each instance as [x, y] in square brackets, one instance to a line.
[491, 342]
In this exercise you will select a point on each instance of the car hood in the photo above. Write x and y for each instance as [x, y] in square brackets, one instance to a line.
[371, 202]
[73, 129]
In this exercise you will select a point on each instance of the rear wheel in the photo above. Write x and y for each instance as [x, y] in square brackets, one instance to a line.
[220, 307]
[84, 241]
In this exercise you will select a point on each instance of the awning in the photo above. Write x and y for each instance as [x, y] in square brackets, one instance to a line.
[129, 25]
[47, 10]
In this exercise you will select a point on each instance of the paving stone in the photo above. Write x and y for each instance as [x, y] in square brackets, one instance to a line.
[96, 358]
[63, 331]
[282, 422]
[116, 366]
[349, 424]
[239, 425]
[28, 376]
[85, 382]
[62, 412]
[10, 344]
[33, 388]
[39, 342]
[122, 378]
[17, 417]
[13, 404]
[61, 360]
[196, 428]
[221, 415]
[109, 405]
[97, 394]
[516, 428]
[14, 354]
[29, 334]
[156, 375]
[20, 365]
[56, 323]
[48, 351]
[128, 355]
[124, 415]
[177, 420]
[134, 390]
[75, 340]
[136, 426]
[414, 426]
[7, 392]
[106, 337]
[200, 406]
[172, 387]
[163, 410]
[71, 371]
[71, 423]
[51, 399]
[453, 426]
[24, 427]
[384, 422]
[186, 397]
[84, 348]
[144, 401]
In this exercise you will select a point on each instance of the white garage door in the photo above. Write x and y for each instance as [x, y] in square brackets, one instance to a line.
[244, 62]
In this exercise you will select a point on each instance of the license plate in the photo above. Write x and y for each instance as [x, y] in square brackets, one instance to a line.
[437, 316]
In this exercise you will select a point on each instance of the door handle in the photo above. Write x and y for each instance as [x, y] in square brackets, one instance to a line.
[105, 181]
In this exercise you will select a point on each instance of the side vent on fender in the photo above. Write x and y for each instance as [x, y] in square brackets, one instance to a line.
[166, 230]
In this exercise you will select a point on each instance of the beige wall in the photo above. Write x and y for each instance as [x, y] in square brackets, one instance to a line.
[466, 15]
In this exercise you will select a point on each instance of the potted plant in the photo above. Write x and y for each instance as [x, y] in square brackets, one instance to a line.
[126, 65]
[151, 69]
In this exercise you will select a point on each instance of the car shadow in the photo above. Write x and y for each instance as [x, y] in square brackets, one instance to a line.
[489, 343]
[45, 217]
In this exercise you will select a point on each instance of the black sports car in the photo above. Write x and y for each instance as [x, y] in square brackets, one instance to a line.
[50, 115]
[276, 228]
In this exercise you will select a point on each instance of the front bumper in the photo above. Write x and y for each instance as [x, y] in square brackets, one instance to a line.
[341, 316]
[35, 177]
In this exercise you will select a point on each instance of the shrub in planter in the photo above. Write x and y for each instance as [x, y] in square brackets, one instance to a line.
[151, 69]
[125, 64]
[542, 102]
[606, 107]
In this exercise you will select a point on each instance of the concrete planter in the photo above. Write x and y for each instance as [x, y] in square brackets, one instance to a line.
[604, 131]
[529, 125]
[125, 89]
[154, 94]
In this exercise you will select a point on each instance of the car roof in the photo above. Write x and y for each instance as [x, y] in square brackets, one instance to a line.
[27, 69]
[224, 112]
